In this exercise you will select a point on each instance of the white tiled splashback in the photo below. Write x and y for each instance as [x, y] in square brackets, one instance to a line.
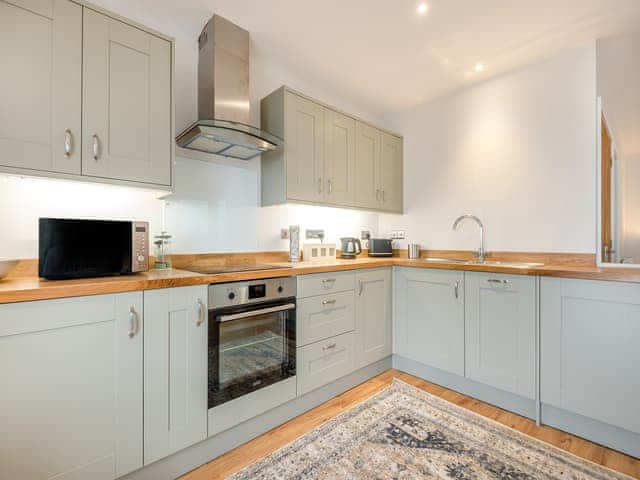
[215, 208]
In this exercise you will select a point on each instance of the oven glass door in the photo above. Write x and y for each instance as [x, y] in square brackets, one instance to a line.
[250, 348]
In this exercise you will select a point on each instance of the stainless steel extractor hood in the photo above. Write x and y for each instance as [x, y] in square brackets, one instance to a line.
[223, 96]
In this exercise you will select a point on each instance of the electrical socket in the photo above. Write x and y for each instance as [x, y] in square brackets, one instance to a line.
[284, 233]
[397, 234]
[365, 235]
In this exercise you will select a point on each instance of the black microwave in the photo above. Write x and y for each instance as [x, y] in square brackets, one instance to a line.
[70, 248]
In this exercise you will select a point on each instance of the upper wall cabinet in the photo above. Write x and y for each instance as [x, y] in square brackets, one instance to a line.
[126, 120]
[329, 158]
[84, 95]
[40, 85]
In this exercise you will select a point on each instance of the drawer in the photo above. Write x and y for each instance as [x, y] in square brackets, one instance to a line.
[323, 283]
[325, 316]
[323, 362]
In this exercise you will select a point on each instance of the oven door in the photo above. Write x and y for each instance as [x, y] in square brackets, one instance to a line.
[250, 347]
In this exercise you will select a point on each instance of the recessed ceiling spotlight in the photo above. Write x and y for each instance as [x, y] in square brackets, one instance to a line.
[423, 8]
[479, 67]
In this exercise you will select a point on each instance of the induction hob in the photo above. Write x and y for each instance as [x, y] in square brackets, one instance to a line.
[216, 269]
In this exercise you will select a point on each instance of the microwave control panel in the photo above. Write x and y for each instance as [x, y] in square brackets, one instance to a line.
[140, 250]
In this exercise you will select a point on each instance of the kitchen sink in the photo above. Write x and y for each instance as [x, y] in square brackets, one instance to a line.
[489, 263]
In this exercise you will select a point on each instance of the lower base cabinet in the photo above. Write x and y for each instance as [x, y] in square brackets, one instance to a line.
[590, 350]
[429, 318]
[500, 331]
[175, 370]
[373, 316]
[71, 374]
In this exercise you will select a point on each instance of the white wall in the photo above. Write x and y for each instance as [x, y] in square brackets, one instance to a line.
[517, 150]
[216, 205]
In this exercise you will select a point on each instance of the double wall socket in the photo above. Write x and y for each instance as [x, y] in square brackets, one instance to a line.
[397, 234]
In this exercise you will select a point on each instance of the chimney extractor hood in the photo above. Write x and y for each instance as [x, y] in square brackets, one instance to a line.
[223, 96]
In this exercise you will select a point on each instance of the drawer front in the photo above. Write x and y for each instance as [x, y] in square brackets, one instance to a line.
[325, 316]
[323, 362]
[323, 283]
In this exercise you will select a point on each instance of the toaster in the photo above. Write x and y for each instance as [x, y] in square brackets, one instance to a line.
[380, 247]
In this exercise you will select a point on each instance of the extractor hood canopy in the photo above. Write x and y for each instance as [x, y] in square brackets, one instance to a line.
[223, 96]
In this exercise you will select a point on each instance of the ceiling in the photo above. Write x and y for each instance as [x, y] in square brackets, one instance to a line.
[386, 55]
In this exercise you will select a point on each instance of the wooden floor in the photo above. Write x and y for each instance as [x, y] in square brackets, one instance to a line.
[278, 437]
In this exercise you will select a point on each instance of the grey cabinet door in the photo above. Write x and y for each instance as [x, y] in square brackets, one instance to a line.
[367, 189]
[71, 401]
[127, 100]
[339, 158]
[590, 349]
[304, 134]
[40, 85]
[175, 367]
[429, 317]
[390, 173]
[373, 316]
[501, 331]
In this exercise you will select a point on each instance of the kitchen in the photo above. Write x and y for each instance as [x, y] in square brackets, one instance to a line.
[144, 374]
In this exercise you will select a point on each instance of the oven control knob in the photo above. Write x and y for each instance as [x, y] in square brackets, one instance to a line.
[231, 295]
[280, 289]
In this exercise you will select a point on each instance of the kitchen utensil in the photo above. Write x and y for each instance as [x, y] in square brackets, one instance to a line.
[163, 260]
[294, 243]
[413, 250]
[380, 247]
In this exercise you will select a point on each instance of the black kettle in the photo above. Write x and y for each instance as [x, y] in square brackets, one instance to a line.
[350, 247]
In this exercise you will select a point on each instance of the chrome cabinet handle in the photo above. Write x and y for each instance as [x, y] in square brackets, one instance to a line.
[134, 322]
[383, 196]
[360, 287]
[96, 146]
[200, 313]
[498, 281]
[329, 347]
[328, 280]
[330, 186]
[68, 143]
[328, 302]
[319, 185]
[377, 194]
[456, 289]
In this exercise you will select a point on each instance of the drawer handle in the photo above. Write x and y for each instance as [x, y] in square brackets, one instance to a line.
[498, 281]
[328, 280]
[456, 289]
[96, 147]
[331, 346]
[328, 302]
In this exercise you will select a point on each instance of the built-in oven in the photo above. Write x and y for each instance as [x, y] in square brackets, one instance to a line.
[252, 337]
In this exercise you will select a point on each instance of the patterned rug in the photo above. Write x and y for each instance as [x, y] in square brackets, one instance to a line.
[405, 433]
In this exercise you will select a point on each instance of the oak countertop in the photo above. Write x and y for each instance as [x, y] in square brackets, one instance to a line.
[31, 288]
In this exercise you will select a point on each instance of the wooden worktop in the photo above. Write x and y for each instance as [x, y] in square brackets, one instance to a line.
[24, 285]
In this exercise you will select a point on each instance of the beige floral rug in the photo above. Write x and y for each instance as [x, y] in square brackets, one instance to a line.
[405, 433]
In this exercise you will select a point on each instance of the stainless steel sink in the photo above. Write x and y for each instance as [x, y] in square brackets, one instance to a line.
[489, 263]
[510, 264]
[446, 260]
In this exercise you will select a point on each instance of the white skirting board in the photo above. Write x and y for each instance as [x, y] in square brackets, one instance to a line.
[190, 458]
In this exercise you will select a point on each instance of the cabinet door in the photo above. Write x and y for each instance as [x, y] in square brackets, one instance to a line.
[304, 133]
[40, 85]
[339, 158]
[373, 316]
[71, 374]
[126, 102]
[590, 349]
[429, 320]
[175, 367]
[500, 331]
[367, 190]
[390, 172]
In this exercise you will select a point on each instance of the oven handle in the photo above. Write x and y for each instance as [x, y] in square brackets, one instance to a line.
[255, 313]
